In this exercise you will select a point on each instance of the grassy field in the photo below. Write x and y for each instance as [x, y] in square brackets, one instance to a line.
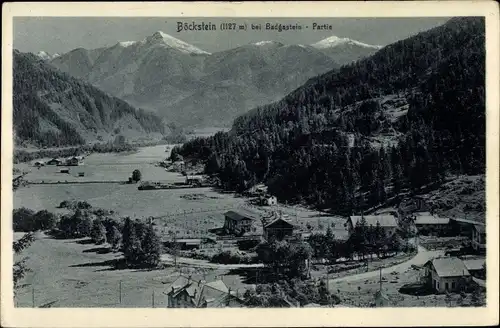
[74, 273]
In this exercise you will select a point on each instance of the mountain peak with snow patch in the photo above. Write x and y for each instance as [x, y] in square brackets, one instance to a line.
[267, 43]
[335, 41]
[46, 56]
[162, 38]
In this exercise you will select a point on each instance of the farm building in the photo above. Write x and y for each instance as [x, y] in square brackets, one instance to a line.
[64, 171]
[428, 223]
[476, 267]
[268, 200]
[54, 161]
[185, 292]
[239, 221]
[479, 238]
[74, 161]
[387, 222]
[447, 274]
[278, 229]
[194, 179]
[411, 205]
[38, 164]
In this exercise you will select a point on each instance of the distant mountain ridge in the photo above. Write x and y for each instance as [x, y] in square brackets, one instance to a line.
[191, 86]
[54, 109]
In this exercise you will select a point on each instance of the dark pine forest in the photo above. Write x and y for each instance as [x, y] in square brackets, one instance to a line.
[315, 145]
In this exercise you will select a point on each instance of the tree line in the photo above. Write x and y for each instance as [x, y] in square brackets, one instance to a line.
[137, 240]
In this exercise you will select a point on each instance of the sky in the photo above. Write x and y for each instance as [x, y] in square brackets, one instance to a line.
[62, 34]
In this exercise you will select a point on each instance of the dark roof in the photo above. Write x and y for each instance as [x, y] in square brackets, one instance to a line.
[276, 221]
[239, 215]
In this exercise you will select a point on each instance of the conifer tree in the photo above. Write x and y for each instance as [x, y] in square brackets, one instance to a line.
[151, 248]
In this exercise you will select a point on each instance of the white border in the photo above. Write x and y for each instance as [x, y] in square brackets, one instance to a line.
[78, 317]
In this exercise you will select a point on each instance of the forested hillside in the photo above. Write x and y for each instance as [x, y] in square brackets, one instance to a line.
[350, 139]
[53, 109]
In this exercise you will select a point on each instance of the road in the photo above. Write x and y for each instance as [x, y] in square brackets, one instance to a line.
[423, 255]
[167, 258]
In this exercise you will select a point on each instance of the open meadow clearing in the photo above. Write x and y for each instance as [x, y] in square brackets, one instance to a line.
[75, 273]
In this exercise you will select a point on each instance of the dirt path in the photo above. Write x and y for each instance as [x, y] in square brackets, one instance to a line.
[421, 258]
[167, 258]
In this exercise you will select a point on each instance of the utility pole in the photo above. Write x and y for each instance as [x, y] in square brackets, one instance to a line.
[33, 296]
[120, 292]
[153, 299]
[380, 280]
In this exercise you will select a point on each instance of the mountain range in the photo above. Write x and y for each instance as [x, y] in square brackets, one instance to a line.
[192, 87]
[54, 109]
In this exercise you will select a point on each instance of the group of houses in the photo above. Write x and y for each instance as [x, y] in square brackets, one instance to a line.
[70, 161]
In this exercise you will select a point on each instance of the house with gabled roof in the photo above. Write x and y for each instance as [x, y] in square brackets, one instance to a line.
[388, 222]
[447, 274]
[186, 292]
[428, 223]
[278, 229]
[239, 221]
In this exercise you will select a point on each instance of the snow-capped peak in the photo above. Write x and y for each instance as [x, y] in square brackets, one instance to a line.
[335, 41]
[126, 44]
[45, 56]
[265, 43]
[163, 38]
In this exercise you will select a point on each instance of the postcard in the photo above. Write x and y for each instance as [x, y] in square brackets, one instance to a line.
[250, 164]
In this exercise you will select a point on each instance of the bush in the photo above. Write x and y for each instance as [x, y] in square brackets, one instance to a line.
[227, 257]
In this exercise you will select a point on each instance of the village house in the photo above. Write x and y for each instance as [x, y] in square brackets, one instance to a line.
[278, 229]
[447, 274]
[54, 161]
[186, 292]
[431, 224]
[74, 161]
[479, 238]
[388, 223]
[196, 180]
[38, 164]
[268, 200]
[476, 267]
[239, 222]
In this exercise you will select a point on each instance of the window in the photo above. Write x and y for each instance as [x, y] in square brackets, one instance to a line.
[446, 286]
[453, 285]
